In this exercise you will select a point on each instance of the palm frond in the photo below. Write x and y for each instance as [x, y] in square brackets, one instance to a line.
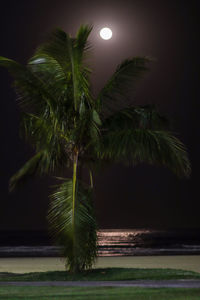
[82, 46]
[79, 241]
[52, 75]
[48, 136]
[32, 92]
[86, 135]
[28, 170]
[136, 117]
[144, 145]
[121, 82]
[66, 54]
[55, 50]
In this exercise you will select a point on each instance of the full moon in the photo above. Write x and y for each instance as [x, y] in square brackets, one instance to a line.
[106, 33]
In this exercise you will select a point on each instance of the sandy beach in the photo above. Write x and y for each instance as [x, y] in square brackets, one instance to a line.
[42, 264]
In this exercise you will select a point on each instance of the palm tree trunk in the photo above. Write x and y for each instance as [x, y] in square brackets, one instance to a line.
[74, 186]
[74, 267]
[91, 180]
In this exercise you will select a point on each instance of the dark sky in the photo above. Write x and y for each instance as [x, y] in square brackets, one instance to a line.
[125, 197]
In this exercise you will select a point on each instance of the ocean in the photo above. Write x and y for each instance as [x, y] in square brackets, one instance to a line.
[111, 242]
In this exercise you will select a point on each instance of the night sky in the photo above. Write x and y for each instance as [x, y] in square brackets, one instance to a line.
[125, 197]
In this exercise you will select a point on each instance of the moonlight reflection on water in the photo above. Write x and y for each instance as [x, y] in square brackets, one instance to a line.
[117, 242]
[120, 237]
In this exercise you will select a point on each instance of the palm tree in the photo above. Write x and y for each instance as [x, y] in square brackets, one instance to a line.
[69, 128]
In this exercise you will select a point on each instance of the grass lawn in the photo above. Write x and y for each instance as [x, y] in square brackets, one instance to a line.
[102, 274]
[97, 293]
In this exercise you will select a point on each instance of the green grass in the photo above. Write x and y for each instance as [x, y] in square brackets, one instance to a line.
[102, 274]
[97, 293]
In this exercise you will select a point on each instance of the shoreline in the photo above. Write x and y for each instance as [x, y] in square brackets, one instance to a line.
[108, 251]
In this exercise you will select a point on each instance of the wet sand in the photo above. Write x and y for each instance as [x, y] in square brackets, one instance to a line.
[42, 264]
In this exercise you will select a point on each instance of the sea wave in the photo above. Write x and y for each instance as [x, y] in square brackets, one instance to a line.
[115, 242]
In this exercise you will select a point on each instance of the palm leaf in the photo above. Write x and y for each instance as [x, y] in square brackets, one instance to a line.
[33, 95]
[134, 146]
[50, 146]
[136, 117]
[121, 82]
[79, 241]
[66, 54]
[82, 46]
[28, 170]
